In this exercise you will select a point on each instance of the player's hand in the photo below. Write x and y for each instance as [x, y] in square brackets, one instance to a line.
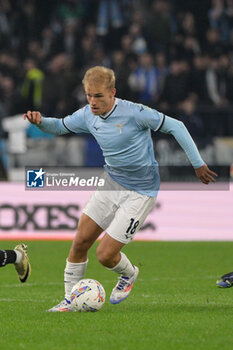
[33, 117]
[205, 174]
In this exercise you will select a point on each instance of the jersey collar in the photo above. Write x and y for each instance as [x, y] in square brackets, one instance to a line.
[106, 115]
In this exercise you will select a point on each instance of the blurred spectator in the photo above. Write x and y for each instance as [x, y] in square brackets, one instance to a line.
[5, 9]
[159, 25]
[121, 69]
[84, 56]
[175, 49]
[224, 63]
[126, 45]
[70, 36]
[109, 13]
[215, 82]
[193, 121]
[59, 82]
[229, 15]
[229, 84]
[90, 32]
[35, 52]
[188, 24]
[139, 16]
[3, 112]
[78, 98]
[8, 94]
[176, 86]
[71, 9]
[9, 65]
[99, 57]
[162, 69]
[213, 46]
[139, 44]
[144, 81]
[191, 48]
[198, 79]
[32, 85]
[50, 42]
[218, 19]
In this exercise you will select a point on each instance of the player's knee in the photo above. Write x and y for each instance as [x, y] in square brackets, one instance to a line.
[104, 257]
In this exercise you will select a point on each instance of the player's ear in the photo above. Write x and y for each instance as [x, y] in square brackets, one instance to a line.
[113, 92]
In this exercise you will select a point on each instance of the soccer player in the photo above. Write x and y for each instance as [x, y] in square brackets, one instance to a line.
[18, 257]
[226, 281]
[122, 129]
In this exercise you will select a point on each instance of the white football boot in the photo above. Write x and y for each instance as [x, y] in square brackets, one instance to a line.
[123, 287]
[63, 306]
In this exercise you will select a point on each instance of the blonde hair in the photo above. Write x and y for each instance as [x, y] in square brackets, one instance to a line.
[99, 75]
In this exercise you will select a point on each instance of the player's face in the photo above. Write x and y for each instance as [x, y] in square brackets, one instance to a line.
[100, 98]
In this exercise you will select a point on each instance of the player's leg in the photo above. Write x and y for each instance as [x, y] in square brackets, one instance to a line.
[7, 257]
[76, 264]
[96, 217]
[19, 258]
[109, 254]
[132, 210]
[226, 281]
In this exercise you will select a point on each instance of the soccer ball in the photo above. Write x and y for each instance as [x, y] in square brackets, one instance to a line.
[87, 295]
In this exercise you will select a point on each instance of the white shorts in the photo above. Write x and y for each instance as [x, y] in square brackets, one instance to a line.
[119, 212]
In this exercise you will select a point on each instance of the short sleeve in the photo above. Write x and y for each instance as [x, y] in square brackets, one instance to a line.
[76, 122]
[147, 117]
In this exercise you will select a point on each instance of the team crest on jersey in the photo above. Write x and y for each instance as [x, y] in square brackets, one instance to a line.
[120, 126]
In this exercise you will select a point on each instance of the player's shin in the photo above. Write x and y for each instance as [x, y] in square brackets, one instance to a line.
[73, 273]
[124, 267]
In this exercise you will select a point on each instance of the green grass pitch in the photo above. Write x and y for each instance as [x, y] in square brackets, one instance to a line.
[174, 303]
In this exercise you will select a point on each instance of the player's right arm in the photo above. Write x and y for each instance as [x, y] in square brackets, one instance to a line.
[33, 117]
[73, 123]
[49, 125]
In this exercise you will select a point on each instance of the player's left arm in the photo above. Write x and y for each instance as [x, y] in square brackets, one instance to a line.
[205, 174]
[182, 136]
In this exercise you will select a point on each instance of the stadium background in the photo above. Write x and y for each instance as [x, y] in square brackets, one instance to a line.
[171, 55]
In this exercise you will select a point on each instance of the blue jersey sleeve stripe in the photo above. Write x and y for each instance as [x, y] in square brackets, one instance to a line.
[161, 124]
[63, 122]
[52, 126]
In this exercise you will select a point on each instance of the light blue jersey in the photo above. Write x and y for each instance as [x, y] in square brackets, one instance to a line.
[124, 135]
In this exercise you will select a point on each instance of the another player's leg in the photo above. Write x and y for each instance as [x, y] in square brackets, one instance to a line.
[19, 258]
[226, 281]
[76, 264]
[109, 254]
[7, 257]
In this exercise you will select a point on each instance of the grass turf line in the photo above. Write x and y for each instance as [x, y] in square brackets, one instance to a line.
[173, 305]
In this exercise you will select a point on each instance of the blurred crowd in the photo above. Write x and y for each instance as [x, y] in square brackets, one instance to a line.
[173, 55]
